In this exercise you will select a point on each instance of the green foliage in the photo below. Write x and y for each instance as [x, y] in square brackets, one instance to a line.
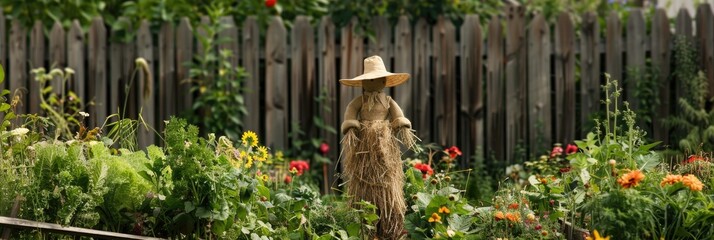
[63, 110]
[646, 91]
[219, 84]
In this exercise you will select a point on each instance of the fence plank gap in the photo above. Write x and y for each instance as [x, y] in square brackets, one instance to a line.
[145, 97]
[515, 79]
[276, 93]
[471, 86]
[98, 86]
[251, 64]
[565, 79]
[495, 84]
[539, 86]
[37, 60]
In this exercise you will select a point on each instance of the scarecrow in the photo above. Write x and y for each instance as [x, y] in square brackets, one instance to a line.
[373, 126]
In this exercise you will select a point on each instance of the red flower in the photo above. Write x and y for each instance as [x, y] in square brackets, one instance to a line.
[565, 169]
[570, 149]
[288, 179]
[324, 148]
[453, 151]
[557, 151]
[270, 3]
[425, 169]
[300, 166]
[693, 158]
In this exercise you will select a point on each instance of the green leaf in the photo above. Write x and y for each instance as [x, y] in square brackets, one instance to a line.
[2, 74]
[263, 191]
[4, 107]
[188, 206]
[459, 223]
[648, 162]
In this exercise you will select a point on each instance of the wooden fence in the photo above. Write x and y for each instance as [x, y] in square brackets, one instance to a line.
[515, 83]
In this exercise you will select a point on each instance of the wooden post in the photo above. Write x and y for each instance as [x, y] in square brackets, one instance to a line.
[75, 61]
[495, 84]
[565, 79]
[516, 95]
[37, 60]
[444, 48]
[636, 35]
[303, 80]
[351, 61]
[168, 87]
[661, 42]
[230, 38]
[539, 100]
[421, 90]
[705, 36]
[683, 28]
[328, 81]
[403, 60]
[97, 81]
[145, 92]
[590, 71]
[276, 93]
[251, 64]
[471, 108]
[18, 65]
[184, 56]
[58, 55]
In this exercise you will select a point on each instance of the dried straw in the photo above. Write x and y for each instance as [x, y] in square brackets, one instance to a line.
[373, 172]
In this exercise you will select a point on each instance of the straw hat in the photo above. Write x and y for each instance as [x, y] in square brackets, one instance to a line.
[373, 69]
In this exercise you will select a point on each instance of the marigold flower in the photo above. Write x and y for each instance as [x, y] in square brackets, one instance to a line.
[435, 218]
[596, 236]
[693, 158]
[570, 149]
[249, 138]
[671, 179]
[499, 216]
[513, 217]
[453, 152]
[513, 206]
[692, 182]
[444, 209]
[425, 169]
[544, 233]
[631, 179]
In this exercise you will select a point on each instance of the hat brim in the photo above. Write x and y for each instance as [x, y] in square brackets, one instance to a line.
[393, 79]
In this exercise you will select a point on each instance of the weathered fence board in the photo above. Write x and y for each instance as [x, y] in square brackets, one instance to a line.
[276, 92]
[705, 35]
[229, 39]
[75, 231]
[97, 81]
[590, 71]
[382, 43]
[251, 64]
[613, 49]
[145, 100]
[37, 60]
[75, 60]
[58, 55]
[471, 86]
[403, 60]
[302, 82]
[328, 81]
[495, 84]
[184, 54]
[167, 74]
[421, 77]
[636, 35]
[539, 85]
[129, 84]
[683, 29]
[444, 48]
[661, 40]
[351, 62]
[564, 79]
[18, 65]
[515, 78]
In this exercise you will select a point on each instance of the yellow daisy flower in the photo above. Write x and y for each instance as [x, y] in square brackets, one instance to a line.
[249, 138]
[248, 161]
[264, 177]
[262, 154]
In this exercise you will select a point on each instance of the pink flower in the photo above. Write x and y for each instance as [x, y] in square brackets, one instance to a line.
[557, 151]
[570, 149]
[324, 148]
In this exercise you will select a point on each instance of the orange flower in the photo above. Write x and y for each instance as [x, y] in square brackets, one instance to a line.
[513, 206]
[513, 217]
[444, 209]
[631, 179]
[597, 236]
[671, 179]
[499, 216]
[692, 182]
[435, 218]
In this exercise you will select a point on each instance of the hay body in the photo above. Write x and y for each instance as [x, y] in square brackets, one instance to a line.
[373, 172]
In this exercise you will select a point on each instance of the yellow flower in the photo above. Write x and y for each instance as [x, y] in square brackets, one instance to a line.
[249, 138]
[692, 182]
[248, 161]
[279, 156]
[435, 218]
[264, 177]
[670, 179]
[444, 209]
[597, 236]
[262, 154]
